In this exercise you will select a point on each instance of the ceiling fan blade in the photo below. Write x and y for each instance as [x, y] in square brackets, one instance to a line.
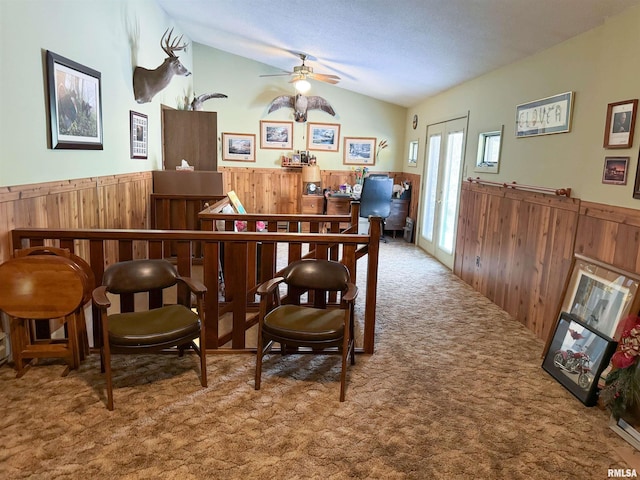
[333, 79]
[277, 74]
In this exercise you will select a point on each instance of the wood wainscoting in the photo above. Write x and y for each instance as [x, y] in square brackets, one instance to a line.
[113, 201]
[516, 247]
[268, 190]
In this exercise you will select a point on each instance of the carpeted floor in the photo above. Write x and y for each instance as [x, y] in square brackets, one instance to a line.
[454, 391]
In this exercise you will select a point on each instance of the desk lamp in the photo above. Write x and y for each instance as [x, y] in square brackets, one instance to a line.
[311, 179]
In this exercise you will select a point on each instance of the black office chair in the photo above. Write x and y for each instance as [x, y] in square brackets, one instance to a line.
[375, 198]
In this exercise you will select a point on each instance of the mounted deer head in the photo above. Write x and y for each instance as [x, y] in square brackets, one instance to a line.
[146, 83]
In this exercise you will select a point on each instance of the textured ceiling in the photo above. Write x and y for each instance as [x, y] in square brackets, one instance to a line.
[399, 51]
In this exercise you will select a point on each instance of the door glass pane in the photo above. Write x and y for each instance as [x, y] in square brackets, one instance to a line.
[431, 192]
[450, 191]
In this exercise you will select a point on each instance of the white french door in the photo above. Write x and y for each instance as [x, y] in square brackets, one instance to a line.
[441, 181]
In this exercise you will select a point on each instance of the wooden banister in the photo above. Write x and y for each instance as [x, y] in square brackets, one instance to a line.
[103, 247]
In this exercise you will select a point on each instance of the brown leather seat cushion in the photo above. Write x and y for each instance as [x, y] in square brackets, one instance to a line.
[305, 323]
[152, 327]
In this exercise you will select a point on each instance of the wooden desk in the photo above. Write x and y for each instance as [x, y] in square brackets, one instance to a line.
[338, 205]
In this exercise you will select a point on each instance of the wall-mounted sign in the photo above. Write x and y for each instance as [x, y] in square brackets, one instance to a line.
[545, 116]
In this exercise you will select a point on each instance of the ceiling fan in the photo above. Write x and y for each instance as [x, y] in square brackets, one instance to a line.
[303, 72]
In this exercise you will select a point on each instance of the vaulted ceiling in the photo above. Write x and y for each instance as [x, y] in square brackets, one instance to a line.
[399, 51]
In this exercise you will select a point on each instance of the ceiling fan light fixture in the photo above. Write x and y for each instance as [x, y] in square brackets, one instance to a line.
[302, 85]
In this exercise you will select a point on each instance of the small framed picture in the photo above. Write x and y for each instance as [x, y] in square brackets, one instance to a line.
[276, 135]
[323, 136]
[139, 134]
[239, 147]
[359, 151]
[577, 356]
[636, 187]
[621, 120]
[615, 170]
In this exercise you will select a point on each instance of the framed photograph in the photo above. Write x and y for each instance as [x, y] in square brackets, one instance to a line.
[239, 147]
[139, 134]
[359, 151]
[413, 153]
[545, 116]
[276, 135]
[621, 120]
[75, 104]
[636, 186]
[323, 136]
[577, 356]
[615, 170]
[600, 295]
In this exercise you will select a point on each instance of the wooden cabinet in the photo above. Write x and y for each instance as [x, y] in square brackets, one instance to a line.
[398, 216]
[191, 136]
[312, 204]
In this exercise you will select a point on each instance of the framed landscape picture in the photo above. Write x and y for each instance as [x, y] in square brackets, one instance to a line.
[75, 105]
[239, 147]
[276, 135]
[615, 170]
[359, 151]
[577, 356]
[323, 136]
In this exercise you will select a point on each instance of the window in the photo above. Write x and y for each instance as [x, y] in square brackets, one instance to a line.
[489, 144]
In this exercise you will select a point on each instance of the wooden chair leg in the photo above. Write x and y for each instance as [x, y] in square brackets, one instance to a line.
[203, 362]
[259, 354]
[343, 374]
[107, 374]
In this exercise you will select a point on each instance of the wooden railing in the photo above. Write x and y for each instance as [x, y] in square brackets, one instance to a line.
[248, 258]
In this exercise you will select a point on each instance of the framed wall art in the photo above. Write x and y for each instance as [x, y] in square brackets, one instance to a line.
[620, 123]
[359, 151]
[577, 356]
[615, 170]
[600, 295]
[323, 136]
[75, 104]
[139, 134]
[239, 147]
[636, 186]
[276, 135]
[545, 116]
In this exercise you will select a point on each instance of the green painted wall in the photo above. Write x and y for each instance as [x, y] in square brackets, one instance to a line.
[601, 66]
[110, 36]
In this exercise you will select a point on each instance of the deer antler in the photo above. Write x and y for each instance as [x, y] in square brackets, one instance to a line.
[171, 47]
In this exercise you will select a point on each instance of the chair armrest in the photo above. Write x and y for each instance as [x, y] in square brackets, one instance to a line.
[351, 293]
[268, 286]
[196, 286]
[100, 298]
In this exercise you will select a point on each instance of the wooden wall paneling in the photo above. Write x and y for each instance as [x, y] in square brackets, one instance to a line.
[627, 248]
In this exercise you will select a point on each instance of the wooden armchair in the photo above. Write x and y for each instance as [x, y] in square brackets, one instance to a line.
[293, 324]
[155, 328]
